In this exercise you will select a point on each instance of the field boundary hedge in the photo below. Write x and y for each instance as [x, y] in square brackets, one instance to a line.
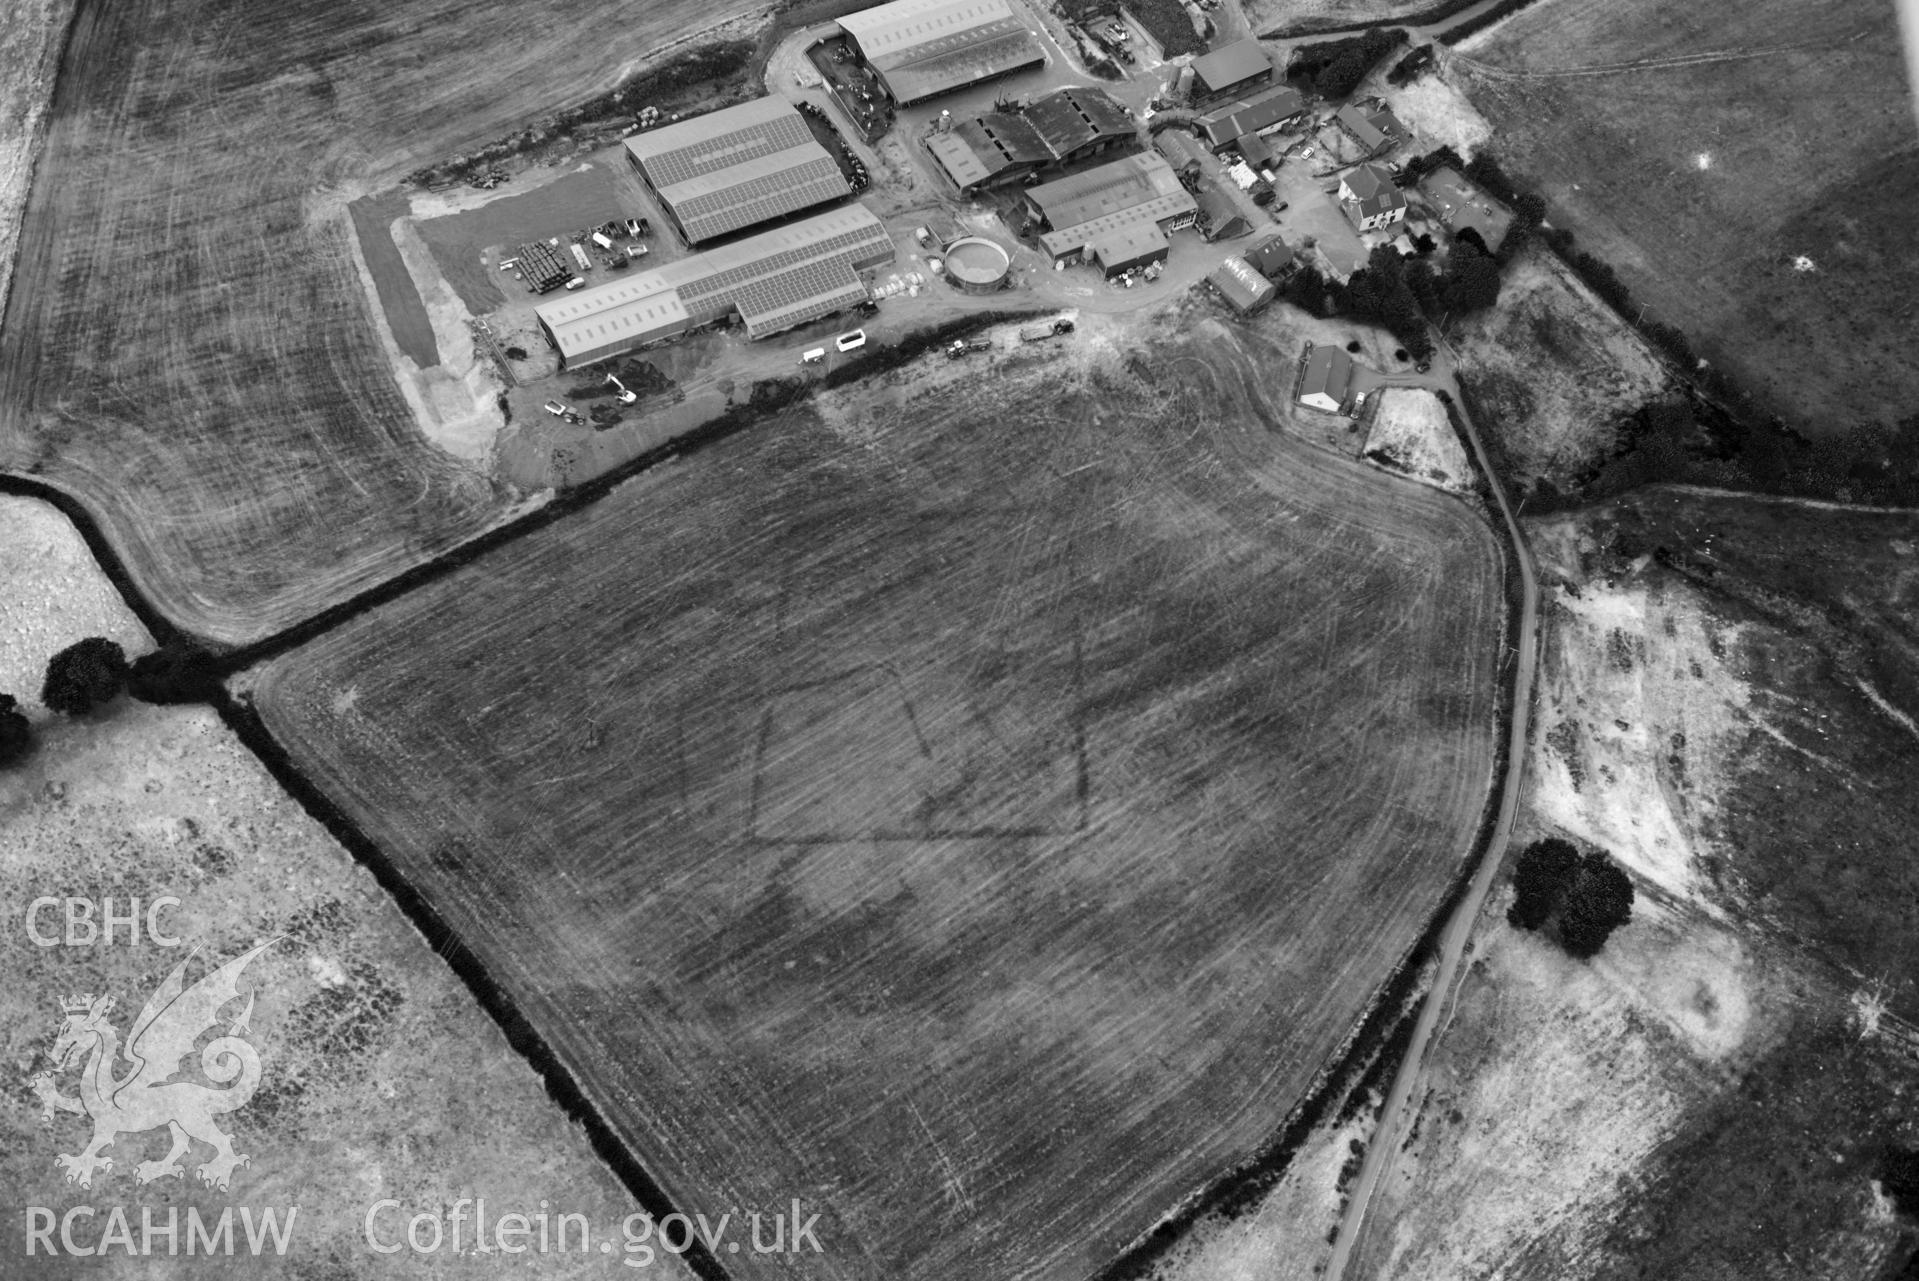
[1333, 27]
[1480, 21]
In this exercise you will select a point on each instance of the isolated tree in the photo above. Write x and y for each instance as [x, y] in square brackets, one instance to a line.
[1598, 902]
[1541, 879]
[1470, 237]
[16, 734]
[84, 675]
[181, 672]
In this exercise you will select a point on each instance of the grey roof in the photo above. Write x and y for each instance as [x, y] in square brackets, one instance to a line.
[1180, 148]
[1232, 64]
[1109, 188]
[1075, 117]
[774, 280]
[1367, 181]
[1221, 214]
[1261, 111]
[1124, 245]
[921, 48]
[1329, 372]
[1371, 129]
[1242, 286]
[1269, 255]
[989, 146]
[736, 167]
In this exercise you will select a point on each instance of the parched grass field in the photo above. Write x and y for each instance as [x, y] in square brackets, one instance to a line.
[980, 819]
[1732, 720]
[188, 346]
[381, 1075]
[1701, 149]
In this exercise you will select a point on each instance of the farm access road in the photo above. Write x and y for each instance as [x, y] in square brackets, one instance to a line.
[1452, 945]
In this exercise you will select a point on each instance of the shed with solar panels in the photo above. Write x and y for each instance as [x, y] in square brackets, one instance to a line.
[772, 282]
[736, 168]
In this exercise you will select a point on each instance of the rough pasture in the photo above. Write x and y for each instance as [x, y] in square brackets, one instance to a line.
[188, 346]
[1703, 150]
[980, 819]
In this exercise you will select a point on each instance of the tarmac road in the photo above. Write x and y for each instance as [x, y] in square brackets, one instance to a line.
[1452, 946]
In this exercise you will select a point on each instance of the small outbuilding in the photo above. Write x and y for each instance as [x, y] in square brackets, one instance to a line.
[1271, 257]
[1326, 380]
[1243, 288]
[1219, 216]
[1373, 130]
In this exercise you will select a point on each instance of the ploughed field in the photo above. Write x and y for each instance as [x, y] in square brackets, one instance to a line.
[979, 819]
[1702, 150]
[188, 346]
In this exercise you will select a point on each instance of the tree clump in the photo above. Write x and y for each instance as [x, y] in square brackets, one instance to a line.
[84, 676]
[177, 673]
[1580, 898]
[16, 734]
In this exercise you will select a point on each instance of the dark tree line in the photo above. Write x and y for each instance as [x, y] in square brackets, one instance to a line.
[1583, 898]
[89, 674]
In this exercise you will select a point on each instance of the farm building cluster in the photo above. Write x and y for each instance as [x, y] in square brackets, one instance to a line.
[1058, 129]
[761, 195]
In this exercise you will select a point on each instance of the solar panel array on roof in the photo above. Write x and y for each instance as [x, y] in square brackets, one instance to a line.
[799, 181]
[734, 168]
[775, 280]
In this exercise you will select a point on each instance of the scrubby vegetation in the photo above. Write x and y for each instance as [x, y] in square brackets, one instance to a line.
[85, 675]
[1694, 439]
[1334, 68]
[699, 80]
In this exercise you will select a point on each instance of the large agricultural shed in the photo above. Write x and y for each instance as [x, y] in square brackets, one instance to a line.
[1231, 68]
[736, 168]
[774, 281]
[1086, 207]
[1058, 128]
[1257, 114]
[923, 48]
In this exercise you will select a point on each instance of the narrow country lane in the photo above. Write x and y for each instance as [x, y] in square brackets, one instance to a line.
[1452, 948]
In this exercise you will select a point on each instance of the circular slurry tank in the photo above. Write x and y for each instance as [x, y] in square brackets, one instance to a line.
[977, 265]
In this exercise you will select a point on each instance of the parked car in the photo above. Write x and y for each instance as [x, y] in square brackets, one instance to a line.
[847, 342]
[578, 282]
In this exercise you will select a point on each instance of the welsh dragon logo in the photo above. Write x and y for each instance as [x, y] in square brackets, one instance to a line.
[143, 1097]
